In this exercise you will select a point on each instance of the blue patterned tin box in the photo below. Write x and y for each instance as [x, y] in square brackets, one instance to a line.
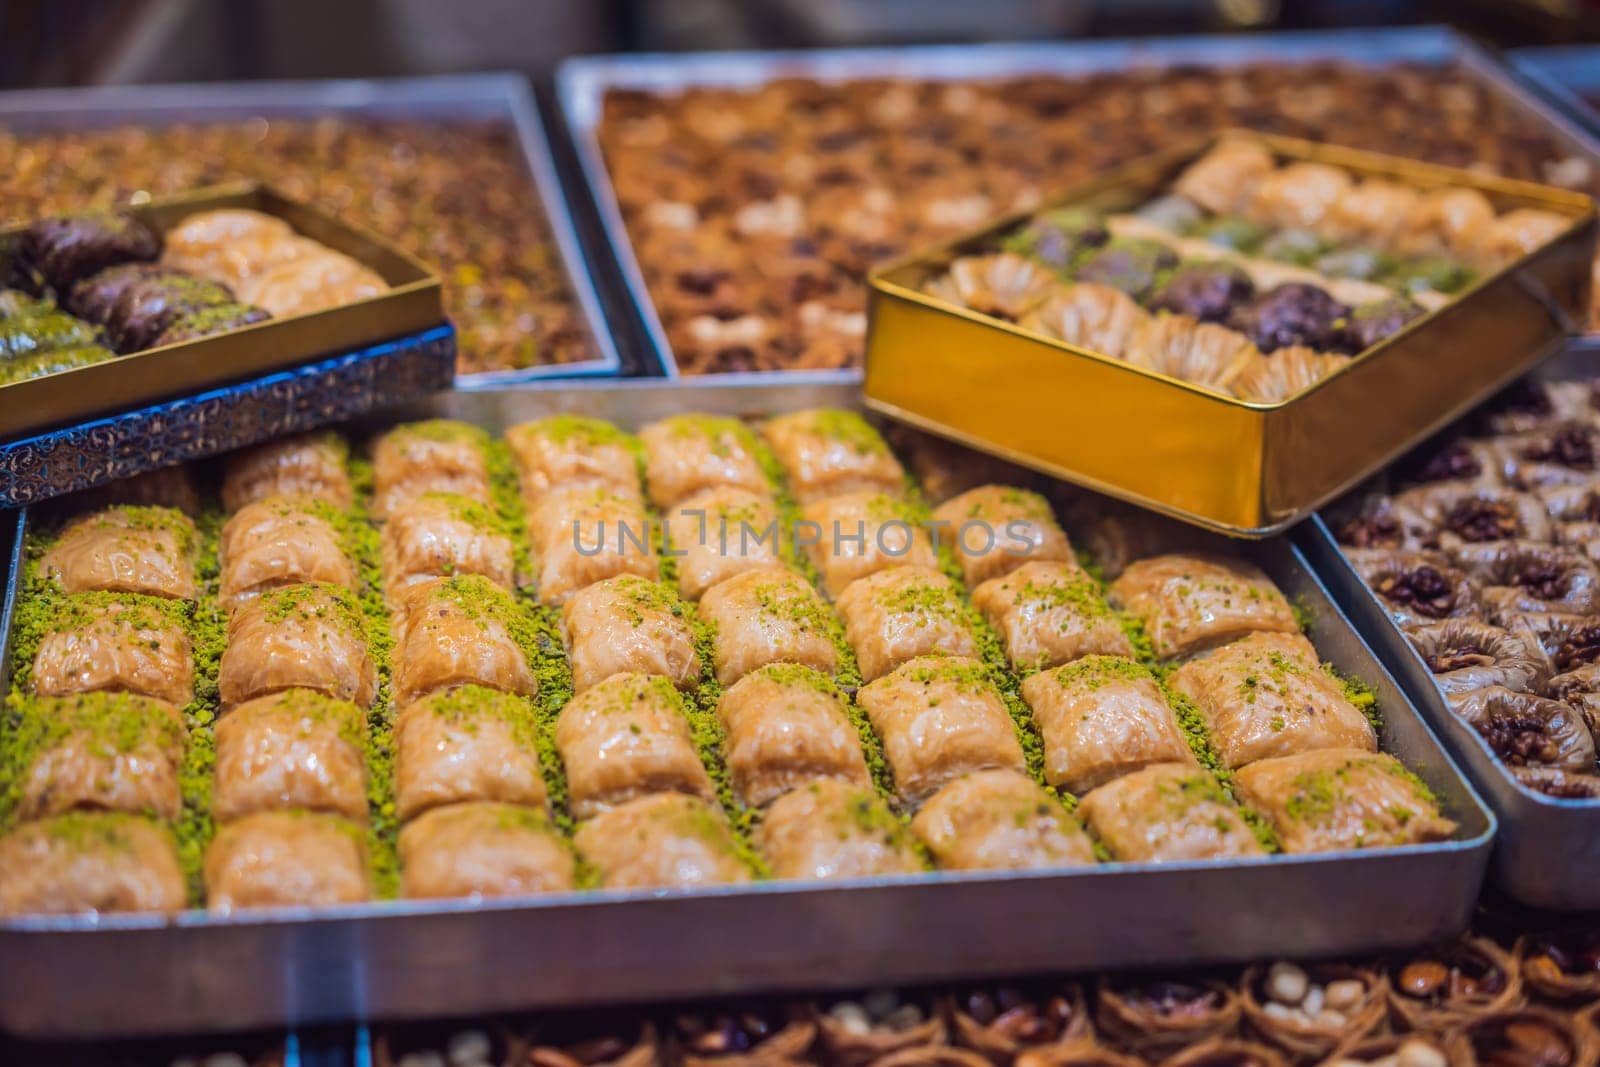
[331, 390]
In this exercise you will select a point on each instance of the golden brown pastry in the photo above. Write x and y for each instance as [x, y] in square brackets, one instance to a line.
[1167, 812]
[787, 724]
[994, 529]
[277, 541]
[999, 820]
[1202, 353]
[720, 532]
[1005, 285]
[294, 749]
[433, 456]
[573, 452]
[484, 849]
[1332, 799]
[827, 452]
[1299, 195]
[466, 744]
[1371, 213]
[1101, 718]
[287, 859]
[629, 624]
[767, 616]
[459, 631]
[309, 636]
[1268, 695]
[1048, 614]
[114, 645]
[1191, 602]
[90, 862]
[125, 550]
[310, 465]
[663, 841]
[1515, 234]
[940, 717]
[1445, 221]
[1086, 315]
[686, 454]
[828, 828]
[627, 737]
[898, 614]
[586, 535]
[1286, 373]
[98, 752]
[437, 535]
[1224, 179]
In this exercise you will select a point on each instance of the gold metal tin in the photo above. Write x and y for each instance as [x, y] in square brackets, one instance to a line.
[413, 302]
[1237, 467]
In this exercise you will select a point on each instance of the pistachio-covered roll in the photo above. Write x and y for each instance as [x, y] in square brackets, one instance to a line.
[1004, 1021]
[148, 306]
[210, 320]
[1152, 1017]
[1309, 1011]
[1454, 984]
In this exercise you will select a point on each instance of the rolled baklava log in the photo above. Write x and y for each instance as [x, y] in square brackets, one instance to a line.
[90, 862]
[1526, 1037]
[662, 841]
[766, 617]
[857, 1031]
[126, 549]
[829, 828]
[753, 1034]
[107, 643]
[1527, 730]
[629, 624]
[1450, 986]
[1331, 799]
[58, 252]
[1189, 603]
[147, 307]
[278, 541]
[1421, 1050]
[1156, 1017]
[1417, 588]
[895, 615]
[433, 456]
[594, 1039]
[1002, 1022]
[287, 859]
[1309, 1011]
[310, 636]
[1519, 578]
[1561, 966]
[1225, 179]
[1448, 515]
[1464, 654]
[786, 725]
[1227, 1052]
[459, 631]
[437, 535]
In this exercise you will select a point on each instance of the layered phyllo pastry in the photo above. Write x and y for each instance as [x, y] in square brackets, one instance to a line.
[126, 550]
[573, 452]
[1047, 614]
[90, 862]
[787, 725]
[294, 749]
[109, 643]
[460, 631]
[999, 820]
[1332, 799]
[484, 849]
[895, 615]
[829, 828]
[626, 737]
[1188, 603]
[860, 533]
[579, 536]
[98, 752]
[305, 465]
[465, 744]
[440, 535]
[280, 859]
[994, 529]
[687, 454]
[436, 456]
[768, 616]
[277, 541]
[720, 532]
[1168, 812]
[827, 452]
[309, 636]
[629, 624]
[662, 841]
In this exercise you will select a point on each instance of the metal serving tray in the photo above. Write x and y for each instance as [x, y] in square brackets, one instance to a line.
[1569, 75]
[411, 305]
[582, 82]
[504, 98]
[417, 959]
[1548, 851]
[1239, 467]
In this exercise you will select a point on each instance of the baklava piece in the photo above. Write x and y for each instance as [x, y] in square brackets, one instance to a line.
[1168, 812]
[586, 535]
[90, 862]
[1004, 285]
[768, 616]
[466, 744]
[1574, 517]
[1267, 695]
[1377, 320]
[1515, 234]
[1455, 459]
[1286, 373]
[1334, 799]
[1464, 654]
[435, 456]
[1129, 264]
[98, 752]
[1417, 588]
[1299, 195]
[296, 749]
[999, 820]
[1449, 221]
[278, 541]
[311, 465]
[940, 717]
[1100, 718]
[861, 533]
[629, 624]
[1526, 730]
[627, 737]
[1224, 179]
[1290, 314]
[1192, 602]
[1057, 238]
[126, 550]
[829, 828]
[484, 850]
[898, 614]
[440, 535]
[301, 636]
[1096, 317]
[1557, 783]
[459, 631]
[1370, 213]
[827, 452]
[718, 533]
[1563, 456]
[665, 841]
[994, 529]
[110, 645]
[685, 454]
[1518, 578]
[62, 249]
[1206, 292]
[573, 452]
[1048, 614]
[786, 725]
[287, 859]
[1201, 353]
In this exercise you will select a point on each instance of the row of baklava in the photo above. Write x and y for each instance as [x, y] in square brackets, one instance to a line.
[755, 212]
[730, 669]
[1487, 554]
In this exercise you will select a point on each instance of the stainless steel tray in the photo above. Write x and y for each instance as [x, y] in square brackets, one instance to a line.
[1548, 851]
[582, 82]
[469, 97]
[406, 959]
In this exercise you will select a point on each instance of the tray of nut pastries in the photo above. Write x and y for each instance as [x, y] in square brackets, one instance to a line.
[670, 704]
[1130, 304]
[1471, 566]
[745, 196]
[455, 168]
[109, 310]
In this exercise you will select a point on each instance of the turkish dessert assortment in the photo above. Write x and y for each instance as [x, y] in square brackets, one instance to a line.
[83, 289]
[438, 664]
[1251, 276]
[1471, 1002]
[1484, 550]
[755, 213]
[456, 194]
